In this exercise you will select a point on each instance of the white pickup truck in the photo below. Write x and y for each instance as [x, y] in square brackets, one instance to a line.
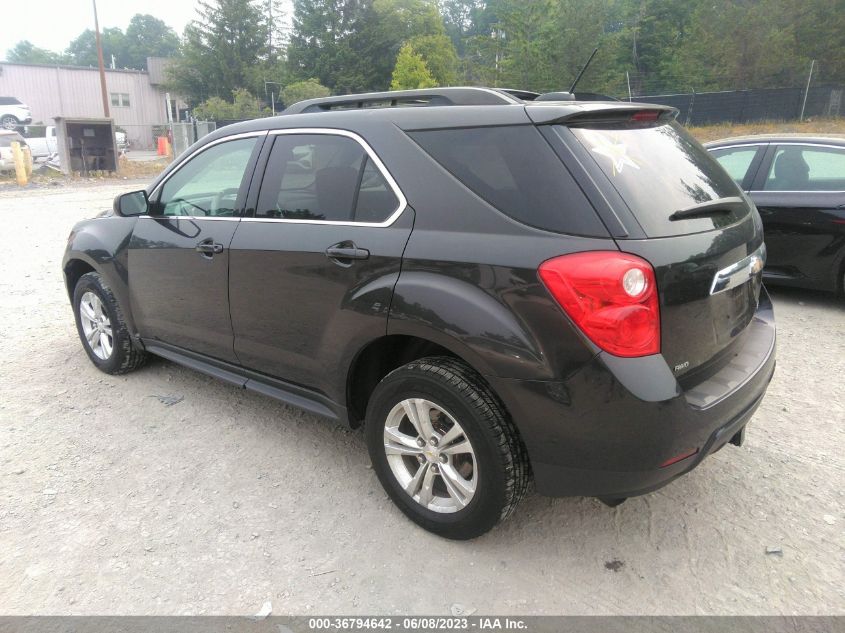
[48, 145]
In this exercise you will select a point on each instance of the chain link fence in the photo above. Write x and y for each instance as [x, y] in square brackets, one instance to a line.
[745, 106]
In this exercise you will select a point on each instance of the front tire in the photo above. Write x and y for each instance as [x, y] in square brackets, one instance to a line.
[8, 122]
[445, 449]
[101, 327]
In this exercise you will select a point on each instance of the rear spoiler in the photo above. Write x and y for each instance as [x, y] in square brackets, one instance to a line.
[581, 113]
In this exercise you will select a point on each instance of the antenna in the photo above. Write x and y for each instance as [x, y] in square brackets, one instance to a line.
[581, 74]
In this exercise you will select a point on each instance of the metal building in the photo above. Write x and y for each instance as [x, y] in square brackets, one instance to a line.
[137, 98]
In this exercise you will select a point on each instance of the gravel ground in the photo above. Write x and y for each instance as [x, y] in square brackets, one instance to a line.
[114, 502]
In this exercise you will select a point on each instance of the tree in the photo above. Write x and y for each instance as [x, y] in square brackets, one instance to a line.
[463, 19]
[243, 106]
[734, 44]
[83, 50]
[147, 36]
[410, 72]
[25, 52]
[439, 56]
[351, 45]
[225, 49]
[820, 35]
[321, 44]
[302, 90]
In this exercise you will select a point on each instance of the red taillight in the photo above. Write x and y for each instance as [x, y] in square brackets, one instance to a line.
[611, 296]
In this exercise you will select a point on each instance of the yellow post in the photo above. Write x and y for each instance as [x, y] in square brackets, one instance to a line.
[20, 167]
[27, 161]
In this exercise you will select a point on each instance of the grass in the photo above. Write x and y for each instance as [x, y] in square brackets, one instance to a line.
[820, 126]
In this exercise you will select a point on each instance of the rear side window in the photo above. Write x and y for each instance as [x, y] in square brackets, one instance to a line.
[659, 170]
[807, 168]
[323, 177]
[514, 169]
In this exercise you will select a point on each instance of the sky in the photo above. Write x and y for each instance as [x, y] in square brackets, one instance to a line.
[56, 22]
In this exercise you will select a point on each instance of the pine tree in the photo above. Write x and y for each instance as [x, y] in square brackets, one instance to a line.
[224, 49]
[410, 72]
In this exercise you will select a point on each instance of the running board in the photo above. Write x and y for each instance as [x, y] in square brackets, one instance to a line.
[293, 395]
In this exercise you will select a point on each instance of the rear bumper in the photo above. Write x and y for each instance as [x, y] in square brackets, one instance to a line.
[607, 430]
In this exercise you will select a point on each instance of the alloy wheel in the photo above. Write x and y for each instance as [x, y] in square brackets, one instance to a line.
[96, 325]
[430, 455]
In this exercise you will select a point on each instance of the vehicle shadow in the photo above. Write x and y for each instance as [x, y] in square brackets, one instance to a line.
[340, 455]
[802, 296]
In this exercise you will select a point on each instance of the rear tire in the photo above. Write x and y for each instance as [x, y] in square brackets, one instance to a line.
[102, 328]
[472, 470]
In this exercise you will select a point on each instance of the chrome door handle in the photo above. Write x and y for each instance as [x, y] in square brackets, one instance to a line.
[347, 251]
[208, 247]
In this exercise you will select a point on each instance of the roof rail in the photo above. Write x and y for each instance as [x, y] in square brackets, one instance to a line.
[525, 95]
[406, 98]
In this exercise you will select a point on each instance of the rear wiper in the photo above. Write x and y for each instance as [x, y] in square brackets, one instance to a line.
[711, 207]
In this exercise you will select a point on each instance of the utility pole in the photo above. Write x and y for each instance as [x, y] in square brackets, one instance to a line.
[272, 94]
[807, 91]
[100, 62]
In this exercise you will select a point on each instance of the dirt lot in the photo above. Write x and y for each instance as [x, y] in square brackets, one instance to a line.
[114, 502]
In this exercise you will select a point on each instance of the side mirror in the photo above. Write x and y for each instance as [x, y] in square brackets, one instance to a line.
[131, 204]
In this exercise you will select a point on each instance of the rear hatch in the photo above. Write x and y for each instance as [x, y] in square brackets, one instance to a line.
[668, 201]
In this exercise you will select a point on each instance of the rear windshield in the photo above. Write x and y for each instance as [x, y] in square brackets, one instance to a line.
[514, 169]
[6, 140]
[660, 170]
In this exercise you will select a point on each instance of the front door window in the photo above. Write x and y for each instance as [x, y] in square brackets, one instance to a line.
[208, 184]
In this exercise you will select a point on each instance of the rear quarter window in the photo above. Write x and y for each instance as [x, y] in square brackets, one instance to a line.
[514, 169]
[658, 170]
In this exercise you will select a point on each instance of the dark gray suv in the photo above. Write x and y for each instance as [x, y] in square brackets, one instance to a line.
[494, 289]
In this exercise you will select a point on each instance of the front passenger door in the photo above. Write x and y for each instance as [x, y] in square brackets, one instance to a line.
[179, 253]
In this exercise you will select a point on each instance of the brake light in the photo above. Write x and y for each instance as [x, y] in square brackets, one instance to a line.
[646, 115]
[611, 297]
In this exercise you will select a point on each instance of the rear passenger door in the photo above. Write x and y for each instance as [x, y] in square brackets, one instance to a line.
[312, 270]
[800, 193]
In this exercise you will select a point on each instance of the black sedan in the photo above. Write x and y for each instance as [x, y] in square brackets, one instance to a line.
[798, 185]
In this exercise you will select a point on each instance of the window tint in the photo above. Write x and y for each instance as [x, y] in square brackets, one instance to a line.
[806, 168]
[376, 200]
[514, 169]
[659, 170]
[736, 161]
[208, 184]
[323, 177]
[9, 101]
